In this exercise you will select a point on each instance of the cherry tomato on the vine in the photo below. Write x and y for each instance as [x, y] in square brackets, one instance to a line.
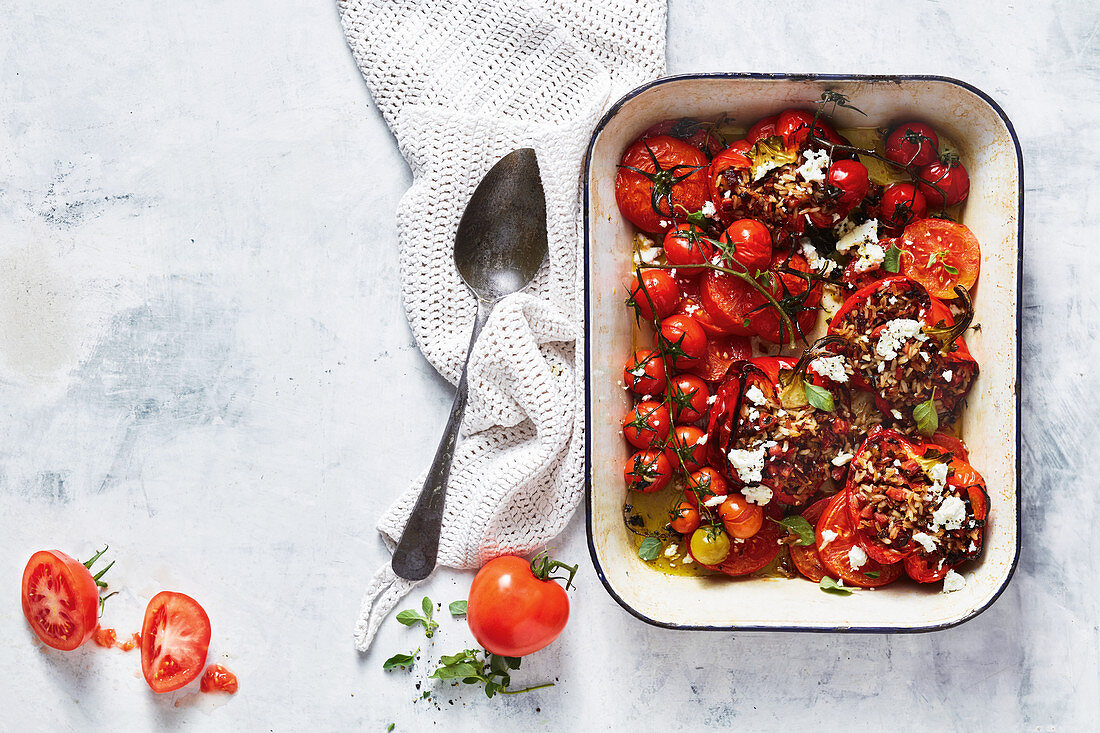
[705, 481]
[944, 182]
[682, 340]
[688, 394]
[660, 181]
[913, 143]
[659, 296]
[765, 128]
[645, 372]
[689, 443]
[646, 424]
[740, 518]
[685, 518]
[749, 243]
[648, 471]
[709, 545]
[687, 245]
[901, 204]
[850, 178]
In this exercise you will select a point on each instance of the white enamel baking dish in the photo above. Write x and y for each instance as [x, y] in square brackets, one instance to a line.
[994, 211]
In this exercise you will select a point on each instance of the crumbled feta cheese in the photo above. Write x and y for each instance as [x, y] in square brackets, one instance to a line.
[953, 582]
[757, 494]
[686, 561]
[715, 500]
[752, 414]
[870, 257]
[672, 272]
[638, 371]
[763, 168]
[973, 547]
[844, 226]
[645, 252]
[857, 557]
[897, 332]
[950, 514]
[830, 367]
[708, 209]
[827, 535]
[815, 166]
[927, 541]
[816, 262]
[842, 458]
[671, 550]
[865, 233]
[749, 464]
[702, 439]
[646, 397]
[664, 223]
[755, 395]
[712, 399]
[947, 374]
[727, 194]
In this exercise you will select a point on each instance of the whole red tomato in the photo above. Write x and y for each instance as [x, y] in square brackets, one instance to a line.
[850, 178]
[515, 607]
[901, 204]
[944, 182]
[749, 242]
[913, 143]
[660, 181]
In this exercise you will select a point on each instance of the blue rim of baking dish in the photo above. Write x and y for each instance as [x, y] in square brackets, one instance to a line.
[897, 79]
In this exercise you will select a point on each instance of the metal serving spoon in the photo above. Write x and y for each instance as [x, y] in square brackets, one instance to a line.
[500, 245]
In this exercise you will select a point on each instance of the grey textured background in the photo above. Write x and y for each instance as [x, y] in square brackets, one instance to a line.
[204, 362]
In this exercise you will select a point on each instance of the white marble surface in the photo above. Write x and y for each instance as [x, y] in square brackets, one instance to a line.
[204, 363]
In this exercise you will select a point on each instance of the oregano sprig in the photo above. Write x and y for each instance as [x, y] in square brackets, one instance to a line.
[410, 617]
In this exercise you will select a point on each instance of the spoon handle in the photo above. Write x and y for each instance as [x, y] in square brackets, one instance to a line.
[415, 555]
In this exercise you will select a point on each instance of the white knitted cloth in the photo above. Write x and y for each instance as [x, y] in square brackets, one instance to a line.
[461, 83]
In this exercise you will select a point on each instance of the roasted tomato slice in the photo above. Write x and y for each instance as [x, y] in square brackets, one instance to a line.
[660, 181]
[60, 599]
[175, 637]
[805, 557]
[843, 556]
[940, 254]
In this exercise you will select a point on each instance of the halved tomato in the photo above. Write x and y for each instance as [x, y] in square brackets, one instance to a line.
[834, 553]
[940, 254]
[60, 599]
[175, 637]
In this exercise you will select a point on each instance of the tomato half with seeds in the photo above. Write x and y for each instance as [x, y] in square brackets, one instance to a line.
[648, 470]
[688, 395]
[655, 296]
[834, 553]
[750, 242]
[944, 182]
[644, 373]
[646, 424]
[805, 557]
[660, 181]
[175, 637]
[940, 254]
[913, 143]
[60, 599]
[729, 300]
[685, 245]
[901, 204]
[721, 352]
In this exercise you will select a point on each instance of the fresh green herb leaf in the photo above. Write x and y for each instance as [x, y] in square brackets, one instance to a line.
[650, 548]
[892, 261]
[409, 618]
[477, 667]
[951, 269]
[390, 727]
[829, 585]
[426, 604]
[800, 527]
[872, 574]
[819, 397]
[512, 662]
[400, 660]
[928, 421]
[457, 608]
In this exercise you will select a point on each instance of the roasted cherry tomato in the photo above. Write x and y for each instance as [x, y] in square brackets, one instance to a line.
[940, 254]
[705, 482]
[766, 322]
[689, 444]
[944, 183]
[175, 637]
[660, 181]
[644, 374]
[60, 599]
[685, 518]
[709, 545]
[839, 551]
[901, 203]
[793, 125]
[682, 341]
[688, 394]
[849, 177]
[660, 292]
[648, 471]
[805, 557]
[687, 244]
[750, 243]
[693, 132]
[913, 144]
[514, 607]
[740, 518]
[646, 424]
[763, 129]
